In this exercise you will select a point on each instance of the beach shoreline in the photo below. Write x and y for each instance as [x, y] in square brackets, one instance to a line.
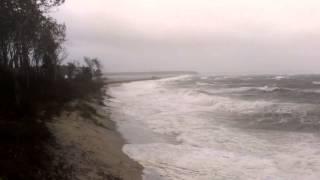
[90, 143]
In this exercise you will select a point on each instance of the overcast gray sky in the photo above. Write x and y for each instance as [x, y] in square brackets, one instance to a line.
[217, 36]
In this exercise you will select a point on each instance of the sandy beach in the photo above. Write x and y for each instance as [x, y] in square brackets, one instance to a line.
[90, 143]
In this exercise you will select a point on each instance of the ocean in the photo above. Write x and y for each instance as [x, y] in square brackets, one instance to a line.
[196, 127]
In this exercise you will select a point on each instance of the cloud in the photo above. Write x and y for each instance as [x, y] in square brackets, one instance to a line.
[231, 36]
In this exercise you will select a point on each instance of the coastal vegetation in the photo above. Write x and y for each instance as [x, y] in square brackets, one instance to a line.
[35, 84]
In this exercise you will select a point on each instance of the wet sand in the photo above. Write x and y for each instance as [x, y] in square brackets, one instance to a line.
[91, 144]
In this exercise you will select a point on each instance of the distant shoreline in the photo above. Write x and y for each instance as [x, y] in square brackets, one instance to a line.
[125, 77]
[152, 72]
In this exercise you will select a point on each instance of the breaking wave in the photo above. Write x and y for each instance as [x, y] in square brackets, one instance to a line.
[217, 136]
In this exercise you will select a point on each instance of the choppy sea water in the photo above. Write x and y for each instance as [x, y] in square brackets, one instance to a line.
[222, 127]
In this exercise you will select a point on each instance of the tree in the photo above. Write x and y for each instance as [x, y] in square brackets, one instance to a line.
[30, 48]
[93, 67]
[71, 70]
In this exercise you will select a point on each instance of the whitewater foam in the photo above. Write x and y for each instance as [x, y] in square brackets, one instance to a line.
[280, 77]
[205, 146]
